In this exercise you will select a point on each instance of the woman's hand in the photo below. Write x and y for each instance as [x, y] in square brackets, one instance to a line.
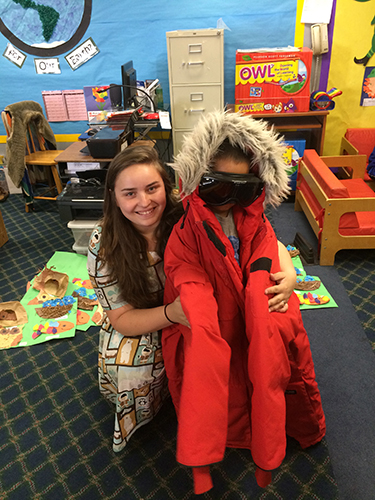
[176, 314]
[281, 291]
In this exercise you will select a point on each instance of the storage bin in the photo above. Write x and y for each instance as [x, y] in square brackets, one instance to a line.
[80, 249]
[81, 230]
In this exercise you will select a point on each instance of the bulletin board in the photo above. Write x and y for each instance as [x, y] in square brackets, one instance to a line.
[118, 32]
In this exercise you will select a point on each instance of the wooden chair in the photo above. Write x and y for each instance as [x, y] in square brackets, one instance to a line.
[359, 141]
[37, 157]
[341, 212]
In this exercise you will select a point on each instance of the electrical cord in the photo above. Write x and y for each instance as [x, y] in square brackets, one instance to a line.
[107, 87]
[167, 148]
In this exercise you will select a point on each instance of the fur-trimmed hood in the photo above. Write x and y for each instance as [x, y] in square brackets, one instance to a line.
[201, 145]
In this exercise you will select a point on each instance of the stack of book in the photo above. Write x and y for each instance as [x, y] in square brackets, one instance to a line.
[119, 119]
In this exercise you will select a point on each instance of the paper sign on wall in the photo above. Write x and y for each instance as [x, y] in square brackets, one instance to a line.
[368, 87]
[14, 55]
[47, 66]
[316, 11]
[82, 54]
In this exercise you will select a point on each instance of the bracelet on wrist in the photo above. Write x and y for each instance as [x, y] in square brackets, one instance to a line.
[166, 315]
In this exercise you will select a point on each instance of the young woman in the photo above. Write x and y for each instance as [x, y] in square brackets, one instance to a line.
[125, 265]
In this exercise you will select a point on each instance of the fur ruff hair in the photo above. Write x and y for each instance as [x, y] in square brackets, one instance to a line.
[251, 135]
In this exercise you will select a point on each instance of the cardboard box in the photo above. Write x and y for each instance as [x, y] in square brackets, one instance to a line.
[273, 80]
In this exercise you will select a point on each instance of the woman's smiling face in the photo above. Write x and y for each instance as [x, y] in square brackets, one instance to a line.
[140, 195]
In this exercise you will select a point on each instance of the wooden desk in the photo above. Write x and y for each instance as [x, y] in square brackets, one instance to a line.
[312, 125]
[73, 154]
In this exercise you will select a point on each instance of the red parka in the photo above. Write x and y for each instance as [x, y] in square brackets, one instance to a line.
[240, 376]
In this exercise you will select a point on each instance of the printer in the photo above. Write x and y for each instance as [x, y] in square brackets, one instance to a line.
[82, 200]
[109, 141]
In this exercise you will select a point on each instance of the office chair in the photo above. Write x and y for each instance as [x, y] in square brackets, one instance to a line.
[25, 123]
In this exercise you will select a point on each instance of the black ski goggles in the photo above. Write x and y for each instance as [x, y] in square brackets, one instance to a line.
[220, 188]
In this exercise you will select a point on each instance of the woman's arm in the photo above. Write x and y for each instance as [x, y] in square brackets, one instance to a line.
[285, 282]
[131, 322]
[126, 319]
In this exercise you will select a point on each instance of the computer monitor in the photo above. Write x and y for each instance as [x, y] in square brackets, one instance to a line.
[129, 78]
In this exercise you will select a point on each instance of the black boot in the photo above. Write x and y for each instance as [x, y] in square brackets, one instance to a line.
[363, 61]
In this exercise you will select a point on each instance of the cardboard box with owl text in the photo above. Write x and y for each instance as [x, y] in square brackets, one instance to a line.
[273, 80]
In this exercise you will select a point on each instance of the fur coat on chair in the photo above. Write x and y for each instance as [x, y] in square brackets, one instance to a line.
[23, 113]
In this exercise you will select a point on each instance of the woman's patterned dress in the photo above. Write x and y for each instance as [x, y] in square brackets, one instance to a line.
[131, 369]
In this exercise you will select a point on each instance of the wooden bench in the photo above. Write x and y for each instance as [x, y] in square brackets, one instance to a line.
[340, 212]
[359, 141]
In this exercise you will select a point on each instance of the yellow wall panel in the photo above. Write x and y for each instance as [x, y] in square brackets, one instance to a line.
[352, 37]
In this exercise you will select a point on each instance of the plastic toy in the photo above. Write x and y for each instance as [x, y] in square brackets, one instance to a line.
[320, 100]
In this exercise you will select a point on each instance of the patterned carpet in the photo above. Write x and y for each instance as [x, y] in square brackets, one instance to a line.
[33, 239]
[55, 429]
[357, 272]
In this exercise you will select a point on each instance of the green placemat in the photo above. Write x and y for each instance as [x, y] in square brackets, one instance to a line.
[297, 262]
[322, 290]
[37, 329]
[74, 265]
[51, 329]
[71, 263]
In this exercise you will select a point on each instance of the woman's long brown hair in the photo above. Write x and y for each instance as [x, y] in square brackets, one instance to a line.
[122, 248]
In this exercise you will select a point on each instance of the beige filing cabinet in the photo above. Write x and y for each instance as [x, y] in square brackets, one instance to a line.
[196, 77]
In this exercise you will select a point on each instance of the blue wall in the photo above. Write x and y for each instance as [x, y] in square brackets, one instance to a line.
[125, 30]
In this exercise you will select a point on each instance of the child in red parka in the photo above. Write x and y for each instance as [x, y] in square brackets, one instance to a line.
[240, 376]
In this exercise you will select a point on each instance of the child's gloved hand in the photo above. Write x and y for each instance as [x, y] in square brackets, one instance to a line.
[281, 291]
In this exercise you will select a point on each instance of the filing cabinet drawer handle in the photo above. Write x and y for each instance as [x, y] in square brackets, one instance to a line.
[201, 110]
[195, 63]
[195, 48]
